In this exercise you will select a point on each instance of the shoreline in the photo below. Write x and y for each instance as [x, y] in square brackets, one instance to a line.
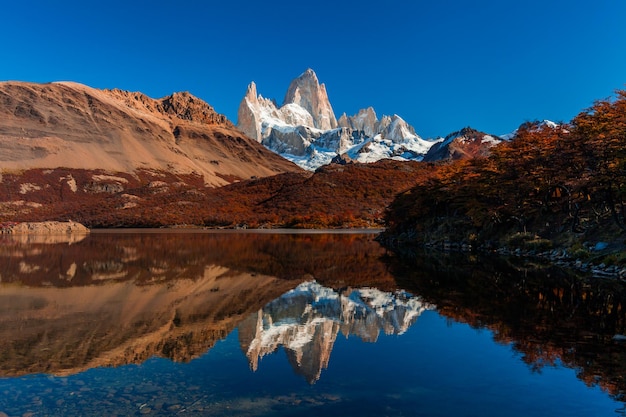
[200, 229]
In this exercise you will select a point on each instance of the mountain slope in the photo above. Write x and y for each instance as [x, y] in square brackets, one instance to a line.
[69, 125]
[354, 195]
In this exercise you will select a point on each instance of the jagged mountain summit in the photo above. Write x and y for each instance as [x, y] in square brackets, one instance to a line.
[308, 93]
[304, 128]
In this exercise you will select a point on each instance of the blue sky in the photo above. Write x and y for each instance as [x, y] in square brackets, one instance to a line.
[440, 64]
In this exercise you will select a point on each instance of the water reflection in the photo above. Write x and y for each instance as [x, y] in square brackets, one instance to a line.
[116, 299]
[306, 322]
[110, 300]
[146, 257]
[548, 315]
[67, 330]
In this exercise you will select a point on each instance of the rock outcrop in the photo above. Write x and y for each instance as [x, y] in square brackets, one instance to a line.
[308, 93]
[249, 116]
[464, 144]
[50, 232]
[364, 121]
[44, 228]
[181, 105]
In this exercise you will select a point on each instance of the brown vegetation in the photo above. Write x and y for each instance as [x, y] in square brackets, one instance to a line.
[334, 196]
[551, 183]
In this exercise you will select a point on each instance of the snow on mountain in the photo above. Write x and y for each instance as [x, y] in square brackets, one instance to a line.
[548, 123]
[304, 129]
[306, 321]
[466, 143]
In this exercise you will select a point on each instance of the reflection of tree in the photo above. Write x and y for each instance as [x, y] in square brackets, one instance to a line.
[546, 314]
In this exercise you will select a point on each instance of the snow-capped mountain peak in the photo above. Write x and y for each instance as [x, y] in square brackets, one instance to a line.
[304, 129]
[306, 92]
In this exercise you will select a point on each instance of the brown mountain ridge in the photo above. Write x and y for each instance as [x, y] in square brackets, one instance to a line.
[69, 125]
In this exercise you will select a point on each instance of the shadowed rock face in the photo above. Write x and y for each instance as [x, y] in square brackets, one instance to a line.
[307, 320]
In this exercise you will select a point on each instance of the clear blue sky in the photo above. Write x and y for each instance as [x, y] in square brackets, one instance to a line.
[440, 64]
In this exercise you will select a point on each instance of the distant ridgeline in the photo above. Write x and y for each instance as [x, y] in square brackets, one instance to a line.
[549, 186]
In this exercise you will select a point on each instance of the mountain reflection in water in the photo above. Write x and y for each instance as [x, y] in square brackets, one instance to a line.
[307, 320]
[115, 299]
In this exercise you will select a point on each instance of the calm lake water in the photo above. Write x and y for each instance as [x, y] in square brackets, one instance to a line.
[164, 323]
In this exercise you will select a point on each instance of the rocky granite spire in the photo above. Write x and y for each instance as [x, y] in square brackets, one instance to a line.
[308, 93]
[248, 117]
[365, 121]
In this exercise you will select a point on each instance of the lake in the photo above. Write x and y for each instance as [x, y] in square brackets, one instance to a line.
[202, 323]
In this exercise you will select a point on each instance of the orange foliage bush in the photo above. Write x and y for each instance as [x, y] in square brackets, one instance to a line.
[545, 180]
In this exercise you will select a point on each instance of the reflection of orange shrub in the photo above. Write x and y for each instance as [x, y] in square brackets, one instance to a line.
[333, 259]
[545, 313]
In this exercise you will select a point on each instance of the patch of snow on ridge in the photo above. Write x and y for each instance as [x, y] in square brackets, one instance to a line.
[109, 178]
[71, 182]
[490, 139]
[548, 123]
[28, 187]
